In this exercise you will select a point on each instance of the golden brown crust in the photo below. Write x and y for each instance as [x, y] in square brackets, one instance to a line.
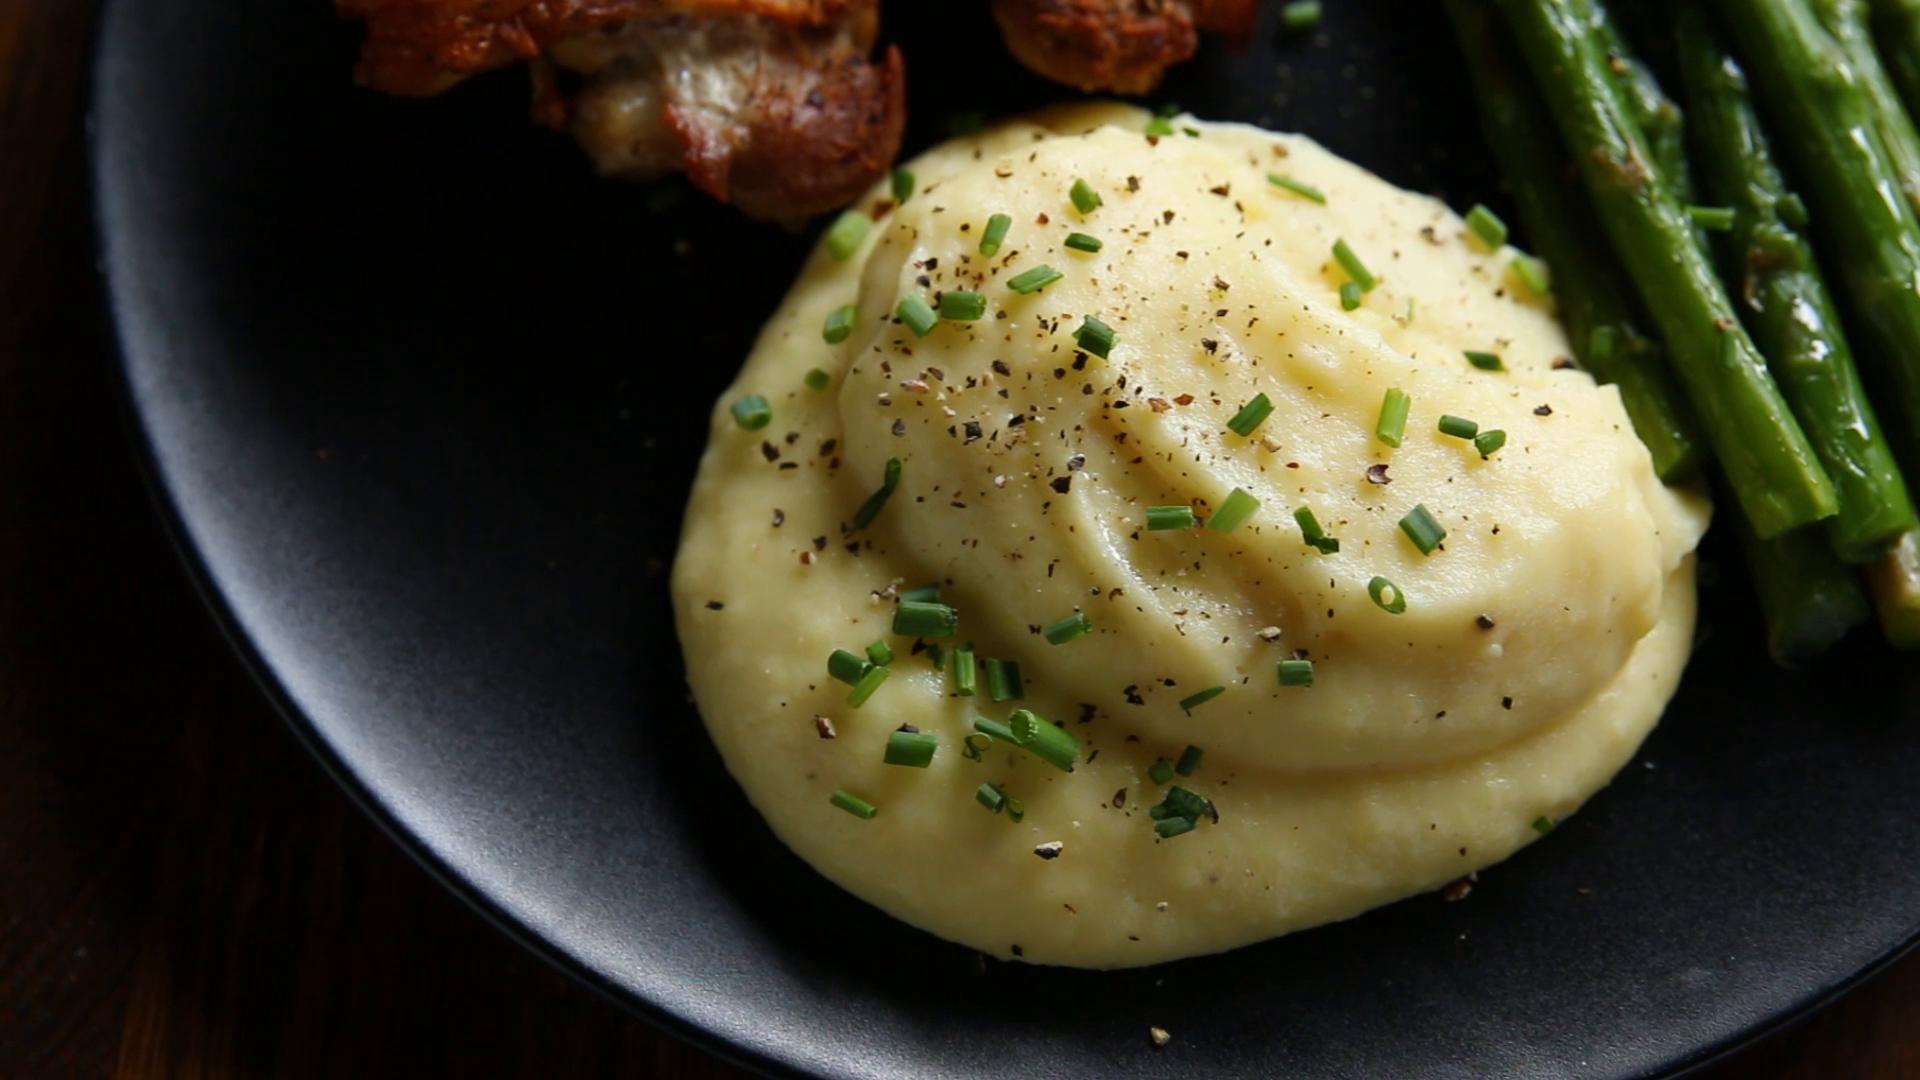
[1124, 46]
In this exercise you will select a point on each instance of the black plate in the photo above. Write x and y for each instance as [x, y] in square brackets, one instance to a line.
[423, 400]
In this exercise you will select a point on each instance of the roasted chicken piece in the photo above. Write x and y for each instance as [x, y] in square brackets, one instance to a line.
[772, 105]
[1124, 46]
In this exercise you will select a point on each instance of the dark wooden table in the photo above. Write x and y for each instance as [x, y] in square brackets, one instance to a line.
[182, 891]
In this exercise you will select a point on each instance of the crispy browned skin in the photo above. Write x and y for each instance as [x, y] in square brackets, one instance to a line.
[1124, 46]
[770, 104]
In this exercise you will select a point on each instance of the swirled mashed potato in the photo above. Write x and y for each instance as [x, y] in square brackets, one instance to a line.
[1538, 643]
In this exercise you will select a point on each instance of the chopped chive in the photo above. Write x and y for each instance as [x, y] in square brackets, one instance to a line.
[1488, 442]
[1076, 625]
[1300, 15]
[1251, 416]
[880, 653]
[902, 185]
[1350, 295]
[1162, 518]
[913, 749]
[1032, 281]
[1313, 534]
[927, 619]
[993, 728]
[1085, 199]
[1304, 190]
[1160, 771]
[1422, 529]
[1192, 132]
[1485, 361]
[966, 123]
[1296, 673]
[1159, 125]
[976, 745]
[994, 234]
[1355, 269]
[752, 412]
[1044, 740]
[1003, 681]
[854, 804]
[1181, 802]
[1095, 337]
[1393, 417]
[1487, 225]
[922, 593]
[1082, 242]
[839, 324]
[1189, 761]
[1173, 826]
[936, 655]
[868, 683]
[1234, 510]
[915, 312]
[848, 667]
[1712, 218]
[1015, 809]
[1458, 426]
[1198, 698]
[990, 796]
[818, 380]
[1601, 342]
[846, 233]
[1543, 825]
[964, 672]
[871, 508]
[1533, 273]
[962, 306]
[1387, 596]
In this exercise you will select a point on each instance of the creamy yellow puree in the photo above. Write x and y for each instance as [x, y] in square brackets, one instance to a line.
[1537, 648]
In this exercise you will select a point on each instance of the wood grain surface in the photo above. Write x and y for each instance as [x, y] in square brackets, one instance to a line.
[183, 892]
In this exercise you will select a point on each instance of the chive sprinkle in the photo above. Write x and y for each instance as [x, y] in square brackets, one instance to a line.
[1095, 337]
[752, 412]
[994, 234]
[1082, 242]
[846, 233]
[1296, 673]
[919, 317]
[1712, 218]
[1313, 534]
[922, 593]
[839, 324]
[976, 745]
[1180, 802]
[868, 683]
[990, 796]
[1085, 199]
[1159, 125]
[818, 380]
[962, 306]
[1161, 771]
[1393, 417]
[1234, 510]
[1458, 426]
[994, 728]
[1300, 15]
[1251, 416]
[1044, 740]
[1486, 225]
[1173, 826]
[1015, 809]
[1350, 295]
[1533, 273]
[936, 656]
[1189, 761]
[854, 804]
[921, 618]
[1387, 596]
[1601, 342]
[1201, 697]
[880, 653]
[847, 667]
[1032, 281]
[1304, 190]
[1003, 681]
[1355, 269]
[1489, 442]
[1422, 529]
[902, 185]
[871, 508]
[1076, 625]
[913, 749]
[1485, 361]
[964, 672]
[1543, 825]
[1162, 518]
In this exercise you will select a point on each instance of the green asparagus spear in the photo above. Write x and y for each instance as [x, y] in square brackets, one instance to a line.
[1809, 598]
[1783, 298]
[1846, 20]
[1772, 469]
[1656, 114]
[1895, 581]
[1588, 287]
[1896, 32]
[1812, 98]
